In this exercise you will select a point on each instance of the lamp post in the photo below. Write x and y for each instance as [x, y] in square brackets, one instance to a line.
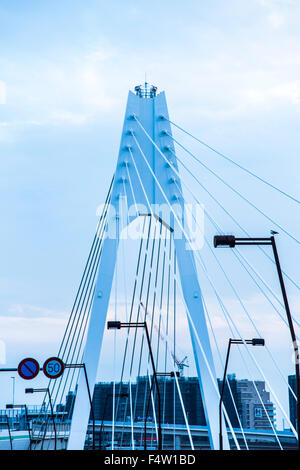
[12, 406]
[40, 390]
[231, 241]
[13, 393]
[13, 396]
[253, 342]
[158, 374]
[117, 325]
[121, 395]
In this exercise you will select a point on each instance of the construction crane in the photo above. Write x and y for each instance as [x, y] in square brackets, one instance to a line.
[181, 364]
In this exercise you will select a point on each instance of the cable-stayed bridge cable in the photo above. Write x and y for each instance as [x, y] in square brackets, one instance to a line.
[241, 167]
[174, 214]
[235, 190]
[176, 171]
[196, 253]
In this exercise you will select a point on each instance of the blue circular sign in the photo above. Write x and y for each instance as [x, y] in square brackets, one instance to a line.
[28, 368]
[53, 367]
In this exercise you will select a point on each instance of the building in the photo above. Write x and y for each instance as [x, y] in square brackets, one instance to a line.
[170, 400]
[292, 400]
[70, 400]
[231, 399]
[103, 401]
[255, 412]
[67, 408]
[140, 392]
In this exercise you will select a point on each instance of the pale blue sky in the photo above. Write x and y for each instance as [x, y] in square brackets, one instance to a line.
[231, 74]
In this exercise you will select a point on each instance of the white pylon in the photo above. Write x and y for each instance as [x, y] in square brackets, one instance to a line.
[145, 126]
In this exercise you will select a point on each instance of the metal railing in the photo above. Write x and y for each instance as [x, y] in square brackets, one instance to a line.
[146, 90]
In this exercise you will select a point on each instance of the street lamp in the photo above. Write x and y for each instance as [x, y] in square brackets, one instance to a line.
[231, 241]
[46, 390]
[12, 406]
[121, 395]
[13, 393]
[253, 342]
[117, 325]
[13, 396]
[158, 374]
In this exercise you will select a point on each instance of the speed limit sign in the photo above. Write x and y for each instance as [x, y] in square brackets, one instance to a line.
[53, 367]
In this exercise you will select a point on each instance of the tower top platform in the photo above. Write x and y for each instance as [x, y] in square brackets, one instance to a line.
[145, 91]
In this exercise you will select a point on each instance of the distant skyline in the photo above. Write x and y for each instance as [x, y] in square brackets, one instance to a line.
[231, 72]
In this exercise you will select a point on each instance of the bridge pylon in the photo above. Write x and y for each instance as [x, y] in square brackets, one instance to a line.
[147, 162]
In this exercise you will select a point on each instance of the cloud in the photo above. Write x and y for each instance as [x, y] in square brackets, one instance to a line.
[285, 93]
[64, 116]
[279, 11]
[278, 3]
[276, 20]
[27, 331]
[101, 54]
[71, 92]
[32, 311]
[86, 87]
[95, 89]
